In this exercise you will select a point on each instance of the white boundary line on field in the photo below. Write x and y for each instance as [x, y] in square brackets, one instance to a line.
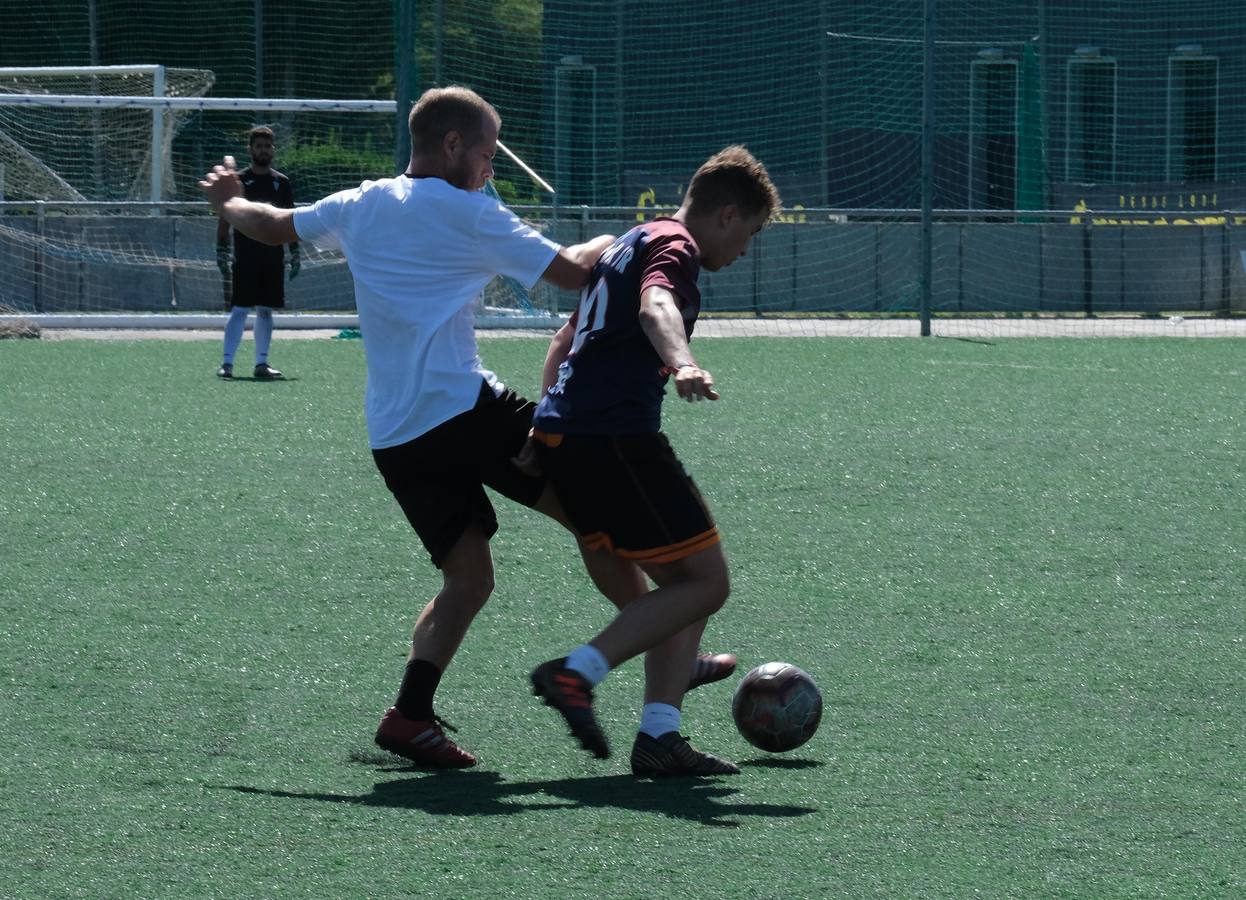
[192, 321]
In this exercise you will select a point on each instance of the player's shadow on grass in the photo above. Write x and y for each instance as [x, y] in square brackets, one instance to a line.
[251, 379]
[770, 762]
[488, 794]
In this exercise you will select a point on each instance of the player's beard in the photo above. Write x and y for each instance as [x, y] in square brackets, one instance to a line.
[462, 175]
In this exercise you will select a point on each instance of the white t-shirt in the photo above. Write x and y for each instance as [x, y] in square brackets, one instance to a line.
[421, 251]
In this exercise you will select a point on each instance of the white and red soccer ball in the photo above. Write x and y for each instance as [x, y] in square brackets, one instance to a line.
[777, 707]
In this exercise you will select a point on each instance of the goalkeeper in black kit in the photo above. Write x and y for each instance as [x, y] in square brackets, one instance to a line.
[256, 279]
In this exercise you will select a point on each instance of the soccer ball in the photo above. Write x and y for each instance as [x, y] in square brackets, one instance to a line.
[777, 707]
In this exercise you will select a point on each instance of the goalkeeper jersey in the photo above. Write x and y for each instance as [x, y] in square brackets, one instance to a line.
[274, 189]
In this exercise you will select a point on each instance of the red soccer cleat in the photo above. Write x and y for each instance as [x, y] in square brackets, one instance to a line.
[422, 741]
[711, 667]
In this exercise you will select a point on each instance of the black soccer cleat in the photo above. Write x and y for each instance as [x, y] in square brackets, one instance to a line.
[225, 371]
[671, 754]
[264, 370]
[569, 693]
[708, 668]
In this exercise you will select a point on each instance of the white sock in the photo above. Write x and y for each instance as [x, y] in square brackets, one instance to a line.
[588, 661]
[656, 719]
[235, 325]
[263, 333]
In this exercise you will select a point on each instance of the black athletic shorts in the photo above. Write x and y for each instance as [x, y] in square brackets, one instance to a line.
[259, 283]
[628, 494]
[438, 478]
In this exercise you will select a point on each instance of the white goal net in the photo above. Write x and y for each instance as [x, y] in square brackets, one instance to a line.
[91, 152]
[100, 212]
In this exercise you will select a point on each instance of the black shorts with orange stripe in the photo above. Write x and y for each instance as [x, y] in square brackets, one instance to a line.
[628, 494]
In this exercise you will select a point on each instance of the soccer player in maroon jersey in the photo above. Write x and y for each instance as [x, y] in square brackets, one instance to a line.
[421, 247]
[597, 437]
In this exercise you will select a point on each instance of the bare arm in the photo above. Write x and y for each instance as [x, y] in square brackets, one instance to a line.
[663, 324]
[559, 347]
[526, 460]
[258, 221]
[572, 266]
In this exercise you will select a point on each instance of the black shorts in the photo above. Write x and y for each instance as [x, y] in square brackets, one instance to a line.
[438, 478]
[628, 494]
[259, 283]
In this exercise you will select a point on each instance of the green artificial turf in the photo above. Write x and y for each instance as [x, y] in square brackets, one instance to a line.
[1015, 570]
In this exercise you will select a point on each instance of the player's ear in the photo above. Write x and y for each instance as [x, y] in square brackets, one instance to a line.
[727, 214]
[452, 142]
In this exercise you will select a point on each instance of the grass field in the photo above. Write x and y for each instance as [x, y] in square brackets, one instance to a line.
[1016, 570]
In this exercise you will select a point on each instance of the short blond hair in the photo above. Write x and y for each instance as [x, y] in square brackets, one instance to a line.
[733, 175]
[442, 110]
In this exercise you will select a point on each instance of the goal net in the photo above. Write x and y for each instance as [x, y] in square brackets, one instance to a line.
[80, 245]
[91, 152]
[1022, 168]
[1084, 164]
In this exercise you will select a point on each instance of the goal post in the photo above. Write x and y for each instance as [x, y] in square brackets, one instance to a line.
[66, 253]
[157, 103]
[158, 76]
[32, 140]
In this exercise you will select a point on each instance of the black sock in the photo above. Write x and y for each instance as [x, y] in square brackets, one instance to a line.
[415, 695]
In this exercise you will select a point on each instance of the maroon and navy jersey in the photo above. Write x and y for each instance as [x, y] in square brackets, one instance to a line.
[611, 381]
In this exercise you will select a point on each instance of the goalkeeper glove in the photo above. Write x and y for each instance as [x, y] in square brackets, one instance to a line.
[295, 261]
[222, 258]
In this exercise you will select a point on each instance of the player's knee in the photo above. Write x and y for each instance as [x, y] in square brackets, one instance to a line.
[713, 579]
[622, 584]
[716, 587]
[264, 312]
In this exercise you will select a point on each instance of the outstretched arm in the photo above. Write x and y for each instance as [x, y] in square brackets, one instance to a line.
[663, 324]
[288, 203]
[258, 221]
[572, 266]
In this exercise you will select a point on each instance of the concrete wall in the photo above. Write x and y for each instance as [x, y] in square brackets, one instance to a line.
[167, 264]
[135, 264]
[979, 267]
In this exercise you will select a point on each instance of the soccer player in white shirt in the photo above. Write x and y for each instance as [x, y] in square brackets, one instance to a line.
[421, 247]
